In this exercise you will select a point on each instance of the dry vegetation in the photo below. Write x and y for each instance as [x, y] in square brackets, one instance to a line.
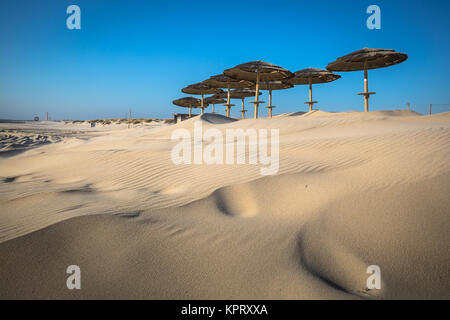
[121, 121]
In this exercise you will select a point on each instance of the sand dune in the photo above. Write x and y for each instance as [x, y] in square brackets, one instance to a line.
[352, 190]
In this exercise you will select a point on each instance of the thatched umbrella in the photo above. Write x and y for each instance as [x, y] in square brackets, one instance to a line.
[220, 96]
[273, 85]
[312, 76]
[242, 94]
[214, 100]
[223, 81]
[188, 102]
[257, 71]
[365, 59]
[200, 88]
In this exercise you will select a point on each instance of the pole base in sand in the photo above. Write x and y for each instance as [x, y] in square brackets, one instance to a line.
[311, 104]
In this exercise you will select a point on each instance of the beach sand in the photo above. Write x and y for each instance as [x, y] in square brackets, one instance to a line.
[353, 190]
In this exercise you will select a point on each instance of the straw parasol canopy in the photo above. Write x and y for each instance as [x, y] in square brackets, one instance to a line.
[223, 81]
[257, 71]
[202, 89]
[273, 85]
[365, 59]
[213, 100]
[188, 102]
[221, 95]
[242, 94]
[312, 76]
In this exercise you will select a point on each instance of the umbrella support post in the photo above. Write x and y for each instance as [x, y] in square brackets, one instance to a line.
[228, 104]
[202, 104]
[190, 112]
[270, 110]
[228, 110]
[310, 102]
[257, 94]
[270, 106]
[256, 102]
[243, 109]
[366, 92]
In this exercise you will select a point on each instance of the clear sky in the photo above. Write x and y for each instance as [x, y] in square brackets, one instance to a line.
[138, 55]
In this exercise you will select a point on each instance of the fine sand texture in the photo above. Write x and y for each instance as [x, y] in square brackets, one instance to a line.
[353, 190]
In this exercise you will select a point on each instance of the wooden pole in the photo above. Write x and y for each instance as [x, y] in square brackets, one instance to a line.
[366, 91]
[257, 94]
[270, 103]
[409, 109]
[190, 112]
[430, 110]
[243, 109]
[310, 95]
[228, 101]
[202, 104]
[214, 108]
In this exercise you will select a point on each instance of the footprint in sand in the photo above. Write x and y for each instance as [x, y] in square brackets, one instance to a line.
[236, 200]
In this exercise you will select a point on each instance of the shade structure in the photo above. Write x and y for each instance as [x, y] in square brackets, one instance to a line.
[312, 76]
[226, 82]
[201, 89]
[257, 71]
[213, 100]
[188, 102]
[220, 95]
[365, 59]
[273, 85]
[242, 94]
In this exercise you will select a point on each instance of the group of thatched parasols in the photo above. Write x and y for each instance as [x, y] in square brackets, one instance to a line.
[247, 79]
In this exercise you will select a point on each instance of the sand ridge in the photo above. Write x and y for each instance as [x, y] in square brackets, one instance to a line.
[353, 189]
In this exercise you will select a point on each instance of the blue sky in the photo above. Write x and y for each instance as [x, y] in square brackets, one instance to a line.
[139, 54]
